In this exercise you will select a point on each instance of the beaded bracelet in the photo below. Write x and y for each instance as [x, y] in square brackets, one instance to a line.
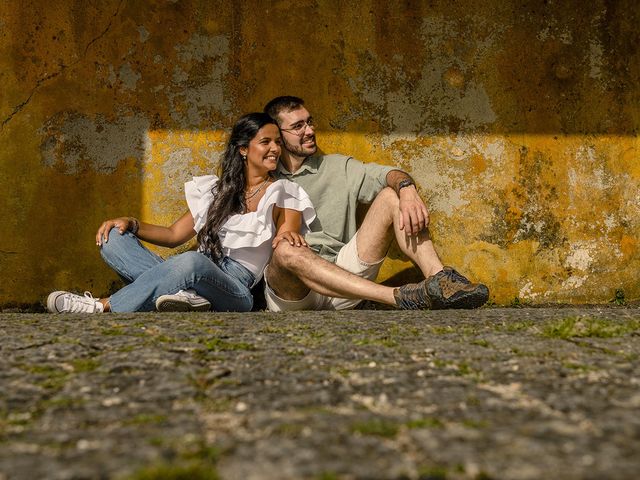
[136, 225]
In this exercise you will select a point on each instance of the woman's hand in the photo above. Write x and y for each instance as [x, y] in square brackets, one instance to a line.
[122, 224]
[288, 223]
[179, 232]
[294, 239]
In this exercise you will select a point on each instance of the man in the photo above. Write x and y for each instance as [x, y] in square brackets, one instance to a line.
[338, 270]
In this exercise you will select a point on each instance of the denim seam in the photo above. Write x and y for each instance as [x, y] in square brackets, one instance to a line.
[121, 269]
[222, 285]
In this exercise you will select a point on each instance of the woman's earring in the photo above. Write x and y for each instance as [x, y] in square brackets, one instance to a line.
[244, 156]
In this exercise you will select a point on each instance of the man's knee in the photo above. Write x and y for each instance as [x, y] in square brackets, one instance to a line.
[383, 209]
[388, 197]
[385, 205]
[284, 270]
[286, 256]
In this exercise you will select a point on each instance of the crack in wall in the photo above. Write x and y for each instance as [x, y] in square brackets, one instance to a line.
[39, 83]
[105, 30]
[18, 108]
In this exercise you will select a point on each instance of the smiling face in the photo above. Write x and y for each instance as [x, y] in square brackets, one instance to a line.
[263, 151]
[298, 132]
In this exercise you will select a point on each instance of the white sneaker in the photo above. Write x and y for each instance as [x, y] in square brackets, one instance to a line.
[67, 302]
[183, 301]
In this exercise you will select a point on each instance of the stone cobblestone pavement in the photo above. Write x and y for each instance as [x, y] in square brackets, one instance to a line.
[495, 393]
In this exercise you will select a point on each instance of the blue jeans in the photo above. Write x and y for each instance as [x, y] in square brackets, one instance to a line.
[225, 284]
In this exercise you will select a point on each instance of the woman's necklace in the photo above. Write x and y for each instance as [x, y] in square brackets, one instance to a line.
[249, 195]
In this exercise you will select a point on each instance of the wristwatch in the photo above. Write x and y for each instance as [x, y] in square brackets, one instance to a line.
[405, 183]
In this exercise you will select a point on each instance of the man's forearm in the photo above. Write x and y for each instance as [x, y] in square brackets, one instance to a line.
[397, 179]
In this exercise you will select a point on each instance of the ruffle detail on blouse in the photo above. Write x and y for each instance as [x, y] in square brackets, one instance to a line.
[254, 228]
[199, 193]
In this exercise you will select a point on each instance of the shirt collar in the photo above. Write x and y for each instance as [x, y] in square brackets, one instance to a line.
[310, 164]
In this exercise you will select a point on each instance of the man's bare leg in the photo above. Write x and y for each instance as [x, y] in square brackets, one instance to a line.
[381, 225]
[293, 271]
[281, 278]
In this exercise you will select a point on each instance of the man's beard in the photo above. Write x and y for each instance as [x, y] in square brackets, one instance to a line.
[299, 150]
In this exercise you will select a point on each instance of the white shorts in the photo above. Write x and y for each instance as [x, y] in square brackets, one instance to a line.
[347, 259]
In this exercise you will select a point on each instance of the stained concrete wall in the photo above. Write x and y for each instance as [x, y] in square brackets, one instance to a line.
[518, 119]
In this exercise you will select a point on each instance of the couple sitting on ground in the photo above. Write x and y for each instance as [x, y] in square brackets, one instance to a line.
[281, 211]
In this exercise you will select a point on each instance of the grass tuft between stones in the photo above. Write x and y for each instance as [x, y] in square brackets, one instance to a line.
[218, 345]
[190, 471]
[194, 462]
[580, 327]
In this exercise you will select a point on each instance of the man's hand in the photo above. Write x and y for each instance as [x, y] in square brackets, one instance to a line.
[414, 216]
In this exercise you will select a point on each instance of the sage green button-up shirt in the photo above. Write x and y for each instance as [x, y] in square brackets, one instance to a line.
[336, 184]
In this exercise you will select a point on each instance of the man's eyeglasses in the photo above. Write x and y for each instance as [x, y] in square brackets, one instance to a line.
[298, 128]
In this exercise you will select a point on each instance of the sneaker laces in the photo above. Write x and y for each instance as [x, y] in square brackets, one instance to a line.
[189, 293]
[412, 296]
[73, 303]
[456, 277]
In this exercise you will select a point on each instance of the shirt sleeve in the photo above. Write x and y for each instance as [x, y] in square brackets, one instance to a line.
[295, 198]
[199, 193]
[255, 228]
[371, 178]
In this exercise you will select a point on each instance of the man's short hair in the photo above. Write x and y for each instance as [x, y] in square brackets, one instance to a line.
[284, 103]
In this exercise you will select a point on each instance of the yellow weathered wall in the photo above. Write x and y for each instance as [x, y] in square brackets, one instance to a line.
[519, 120]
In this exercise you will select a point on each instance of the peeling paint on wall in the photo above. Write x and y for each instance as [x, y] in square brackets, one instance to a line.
[200, 79]
[72, 142]
[518, 120]
[170, 160]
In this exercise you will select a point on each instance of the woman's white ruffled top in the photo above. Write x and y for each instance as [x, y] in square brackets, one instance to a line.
[247, 237]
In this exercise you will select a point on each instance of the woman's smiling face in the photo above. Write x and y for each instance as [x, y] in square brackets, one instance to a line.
[264, 150]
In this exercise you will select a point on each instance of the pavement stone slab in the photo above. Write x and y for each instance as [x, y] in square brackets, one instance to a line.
[502, 393]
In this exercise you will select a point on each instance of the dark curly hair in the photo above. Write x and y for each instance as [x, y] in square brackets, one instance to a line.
[284, 103]
[229, 191]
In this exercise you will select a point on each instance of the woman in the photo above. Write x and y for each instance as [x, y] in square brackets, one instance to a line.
[238, 220]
